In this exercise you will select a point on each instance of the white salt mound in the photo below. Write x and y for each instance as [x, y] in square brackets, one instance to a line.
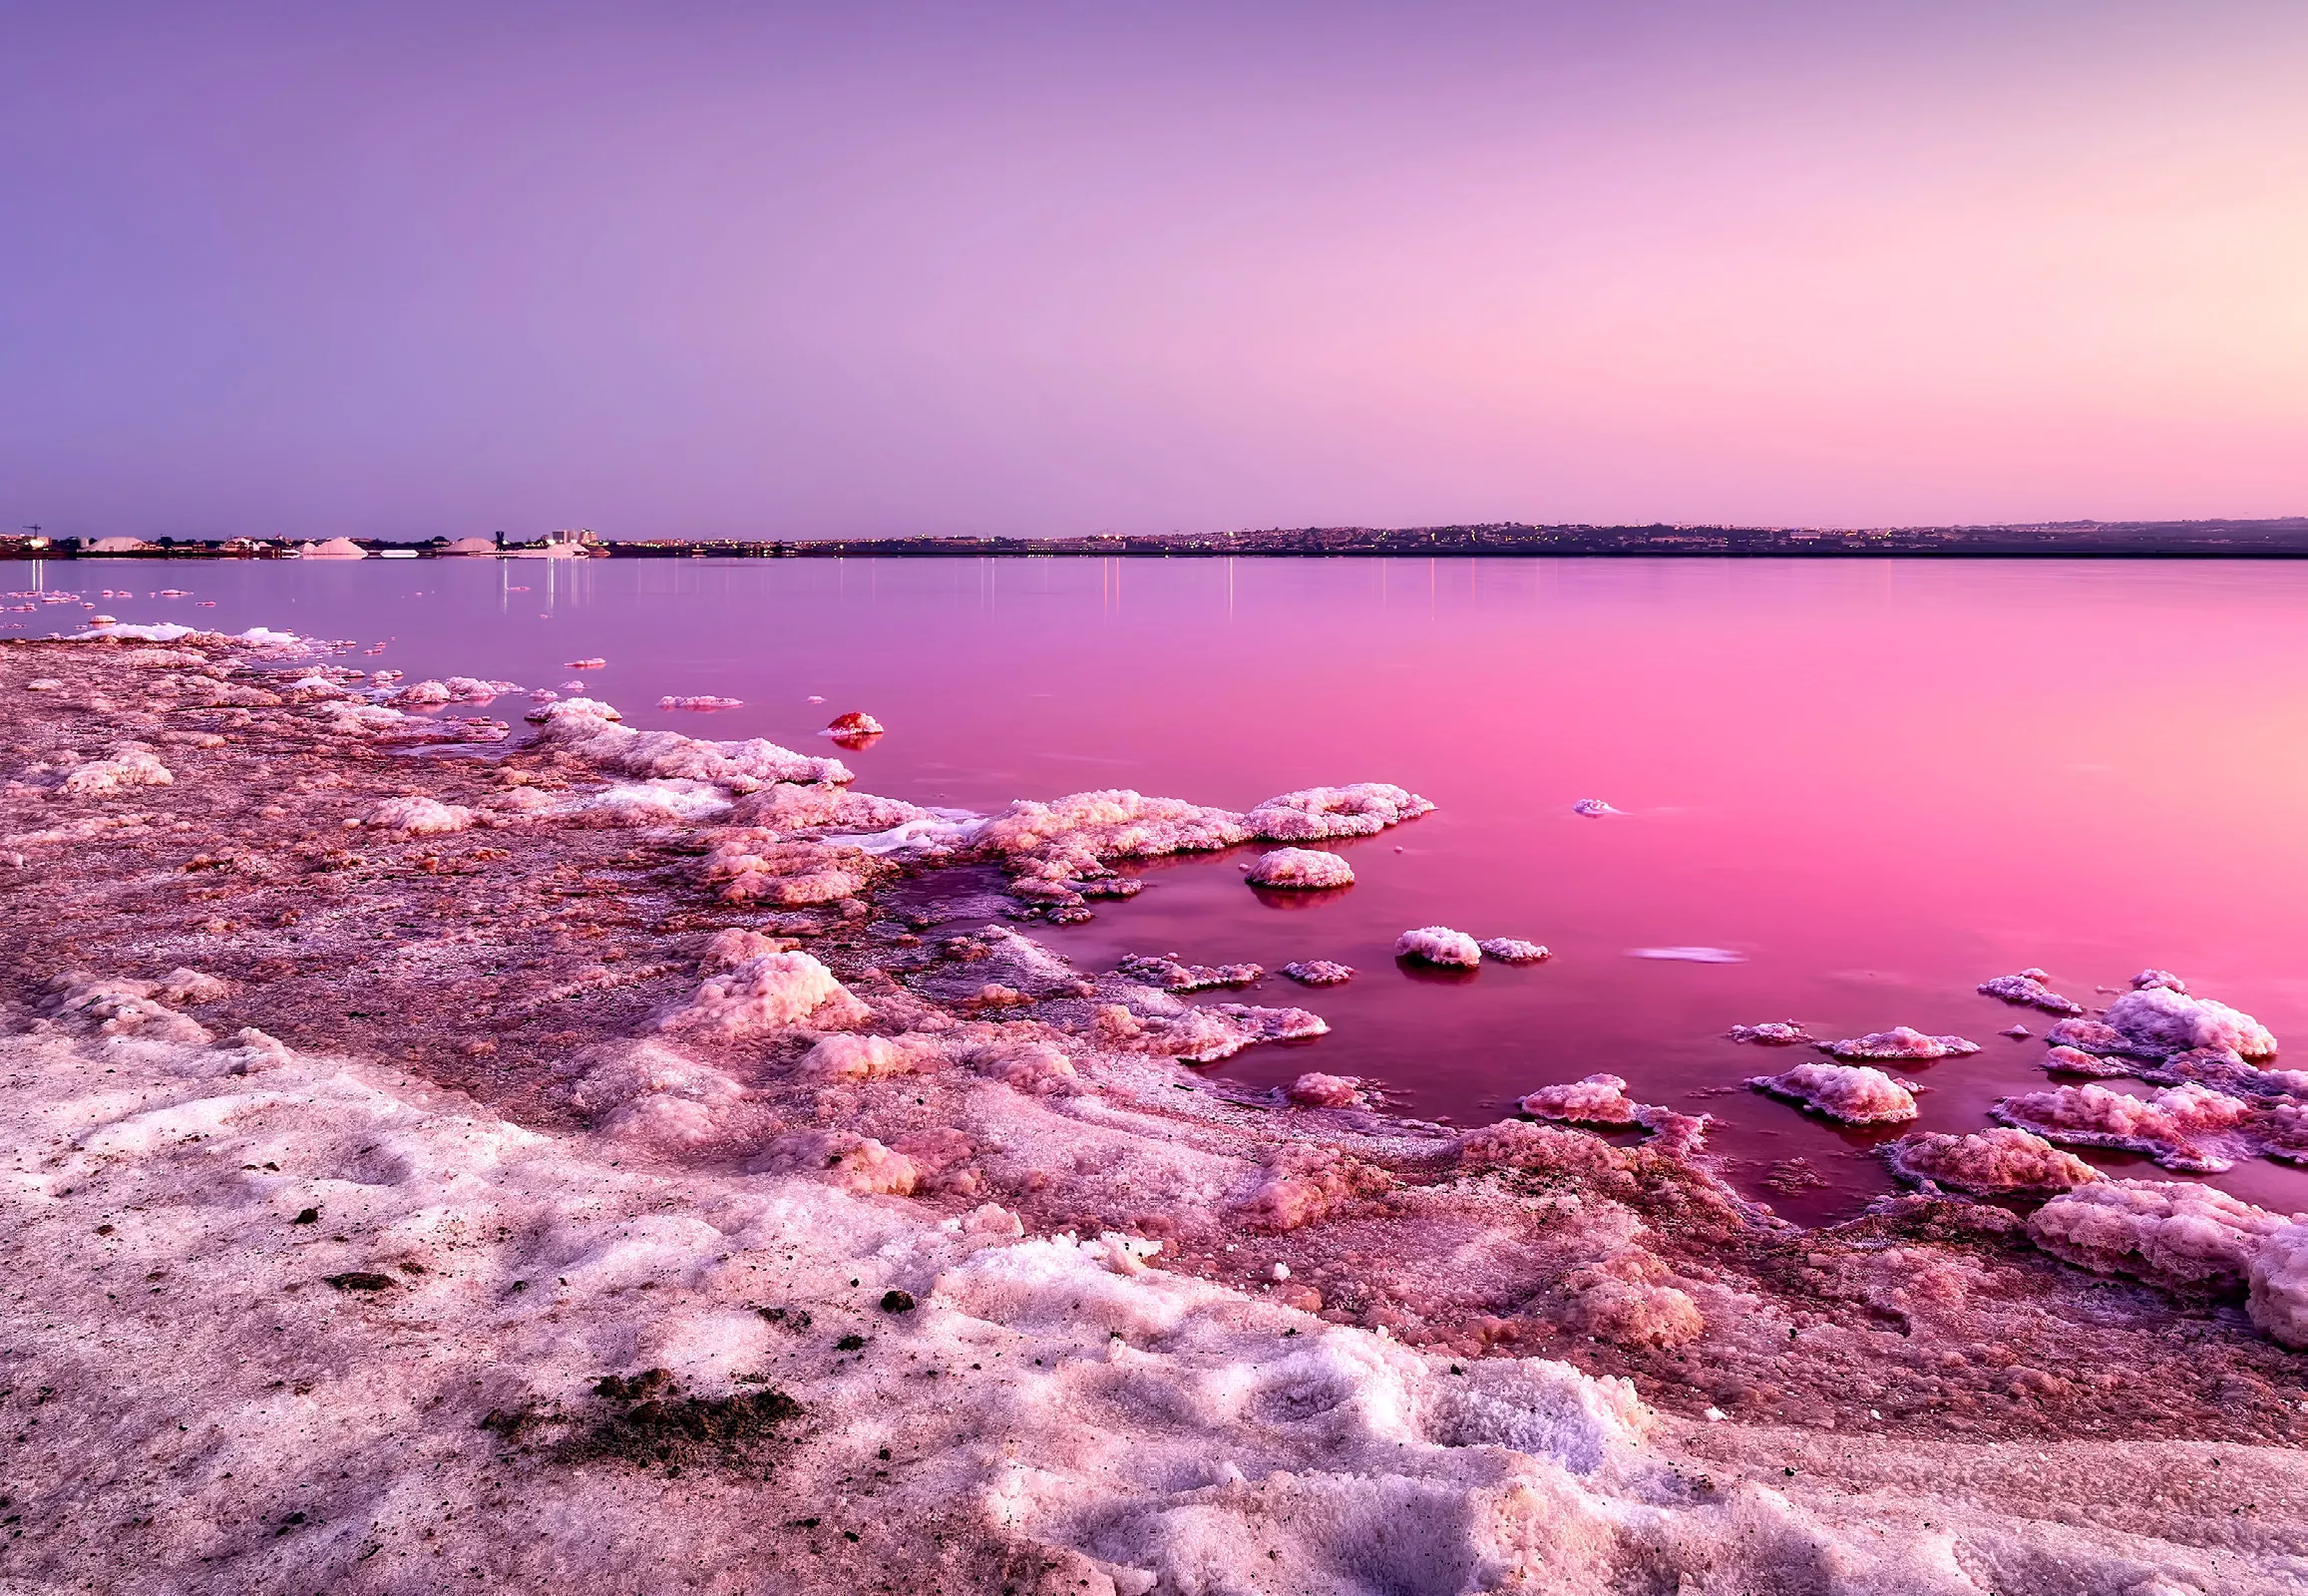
[1853, 1093]
[1440, 944]
[131, 766]
[1319, 971]
[2279, 1286]
[2158, 1019]
[1513, 949]
[764, 994]
[1772, 1034]
[420, 816]
[1900, 1042]
[1596, 1101]
[561, 707]
[1989, 1161]
[1301, 868]
[2171, 1126]
[1362, 809]
[2030, 988]
[2174, 1234]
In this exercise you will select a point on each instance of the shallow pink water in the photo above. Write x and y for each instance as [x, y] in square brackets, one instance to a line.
[1880, 781]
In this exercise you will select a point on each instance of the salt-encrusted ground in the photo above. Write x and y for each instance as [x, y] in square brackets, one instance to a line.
[365, 1176]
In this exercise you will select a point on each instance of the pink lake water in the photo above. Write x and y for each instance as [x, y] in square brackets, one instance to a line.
[1879, 782]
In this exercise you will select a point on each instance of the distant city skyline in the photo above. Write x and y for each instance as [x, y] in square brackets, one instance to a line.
[719, 271]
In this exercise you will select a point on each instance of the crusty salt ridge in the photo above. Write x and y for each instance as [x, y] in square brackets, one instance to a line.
[524, 966]
[1988, 1163]
[1900, 1042]
[1302, 869]
[1513, 949]
[2031, 987]
[1438, 944]
[1772, 1034]
[2190, 1127]
[1858, 1094]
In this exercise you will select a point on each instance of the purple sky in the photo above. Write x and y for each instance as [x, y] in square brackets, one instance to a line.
[406, 268]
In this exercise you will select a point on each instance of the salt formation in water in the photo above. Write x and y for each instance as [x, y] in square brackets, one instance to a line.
[1440, 944]
[1595, 1100]
[2187, 1127]
[1853, 1093]
[1689, 956]
[1360, 809]
[856, 723]
[579, 729]
[1170, 975]
[1900, 1042]
[584, 665]
[1316, 1091]
[703, 700]
[1772, 1034]
[1306, 868]
[1988, 1163]
[1594, 807]
[1513, 949]
[2158, 1020]
[2031, 987]
[1319, 971]
[2160, 977]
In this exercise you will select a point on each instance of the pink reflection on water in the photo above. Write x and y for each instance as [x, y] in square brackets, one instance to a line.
[1879, 782]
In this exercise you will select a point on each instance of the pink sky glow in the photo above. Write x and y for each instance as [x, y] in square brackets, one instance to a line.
[762, 271]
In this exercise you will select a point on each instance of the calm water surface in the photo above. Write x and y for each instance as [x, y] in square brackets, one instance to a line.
[1880, 782]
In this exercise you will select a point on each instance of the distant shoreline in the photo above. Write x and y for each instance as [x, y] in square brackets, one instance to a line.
[2285, 539]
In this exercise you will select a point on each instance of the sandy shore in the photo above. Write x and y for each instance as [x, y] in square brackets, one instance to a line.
[576, 1157]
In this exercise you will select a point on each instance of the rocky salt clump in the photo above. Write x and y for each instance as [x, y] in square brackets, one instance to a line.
[1854, 1094]
[1319, 972]
[765, 994]
[1167, 973]
[1988, 1163]
[2159, 1021]
[420, 816]
[2190, 1127]
[1440, 944]
[2031, 987]
[1362, 809]
[129, 765]
[1900, 1042]
[1316, 1091]
[2279, 1285]
[585, 731]
[1300, 869]
[2174, 1234]
[1595, 1100]
[1512, 951]
[1772, 1034]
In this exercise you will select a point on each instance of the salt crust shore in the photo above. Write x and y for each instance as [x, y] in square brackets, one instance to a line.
[348, 1161]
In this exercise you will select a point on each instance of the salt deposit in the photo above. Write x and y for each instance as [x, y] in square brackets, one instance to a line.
[1689, 956]
[132, 764]
[420, 816]
[1594, 1100]
[765, 994]
[1594, 808]
[1853, 1093]
[1900, 1042]
[1512, 951]
[857, 723]
[1362, 809]
[1772, 1034]
[1989, 1162]
[2172, 1234]
[2032, 989]
[2187, 1127]
[1170, 975]
[2157, 1019]
[1301, 868]
[575, 726]
[1319, 972]
[1316, 1091]
[589, 708]
[699, 701]
[1438, 944]
[2278, 1283]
